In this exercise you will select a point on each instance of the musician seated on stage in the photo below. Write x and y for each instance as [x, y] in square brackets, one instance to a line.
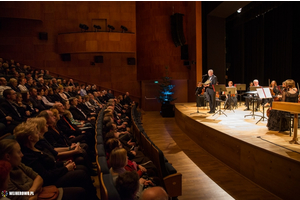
[250, 97]
[274, 91]
[200, 94]
[279, 120]
[232, 99]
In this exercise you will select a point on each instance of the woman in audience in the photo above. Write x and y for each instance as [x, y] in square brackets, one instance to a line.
[13, 83]
[45, 99]
[118, 161]
[61, 93]
[22, 108]
[127, 185]
[53, 172]
[22, 86]
[29, 106]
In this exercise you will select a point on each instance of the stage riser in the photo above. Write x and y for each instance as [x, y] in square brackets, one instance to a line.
[277, 174]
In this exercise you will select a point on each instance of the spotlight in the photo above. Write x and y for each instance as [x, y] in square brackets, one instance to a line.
[124, 29]
[110, 28]
[97, 27]
[83, 27]
[239, 10]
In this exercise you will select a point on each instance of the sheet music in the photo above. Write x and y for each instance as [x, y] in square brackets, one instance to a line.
[264, 93]
[267, 92]
[260, 93]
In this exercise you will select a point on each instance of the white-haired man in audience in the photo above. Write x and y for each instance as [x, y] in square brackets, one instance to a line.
[3, 85]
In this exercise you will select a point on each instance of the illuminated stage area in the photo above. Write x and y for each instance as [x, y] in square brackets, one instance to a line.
[263, 156]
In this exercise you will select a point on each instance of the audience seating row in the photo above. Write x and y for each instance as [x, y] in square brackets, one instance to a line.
[171, 179]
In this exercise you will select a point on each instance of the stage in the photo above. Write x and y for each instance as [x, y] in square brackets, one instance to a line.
[263, 156]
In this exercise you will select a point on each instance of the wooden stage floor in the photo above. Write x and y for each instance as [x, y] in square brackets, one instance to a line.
[245, 129]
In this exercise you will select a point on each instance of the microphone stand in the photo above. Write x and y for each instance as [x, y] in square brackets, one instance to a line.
[196, 99]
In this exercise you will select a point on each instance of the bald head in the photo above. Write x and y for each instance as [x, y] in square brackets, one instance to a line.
[154, 193]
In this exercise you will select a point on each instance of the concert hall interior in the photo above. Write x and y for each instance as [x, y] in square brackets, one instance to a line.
[202, 95]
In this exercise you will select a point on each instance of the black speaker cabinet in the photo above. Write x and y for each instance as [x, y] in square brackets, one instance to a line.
[98, 59]
[130, 61]
[43, 35]
[65, 57]
[184, 52]
[177, 29]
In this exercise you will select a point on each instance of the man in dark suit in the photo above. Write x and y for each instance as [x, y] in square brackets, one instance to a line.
[210, 91]
[9, 108]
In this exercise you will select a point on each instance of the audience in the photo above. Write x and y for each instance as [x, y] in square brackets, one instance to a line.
[53, 122]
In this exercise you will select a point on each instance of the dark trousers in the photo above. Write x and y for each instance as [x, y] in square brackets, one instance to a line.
[211, 96]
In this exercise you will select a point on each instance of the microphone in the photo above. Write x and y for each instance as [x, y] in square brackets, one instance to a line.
[204, 75]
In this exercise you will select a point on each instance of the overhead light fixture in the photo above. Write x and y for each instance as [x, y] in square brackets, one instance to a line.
[110, 28]
[97, 27]
[124, 29]
[83, 27]
[239, 10]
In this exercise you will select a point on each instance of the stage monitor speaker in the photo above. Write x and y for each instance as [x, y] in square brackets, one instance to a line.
[184, 52]
[130, 61]
[65, 57]
[43, 35]
[177, 29]
[98, 59]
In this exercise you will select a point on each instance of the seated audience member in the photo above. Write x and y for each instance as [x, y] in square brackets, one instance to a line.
[45, 98]
[53, 172]
[9, 107]
[127, 185]
[61, 93]
[58, 139]
[94, 102]
[87, 103]
[54, 83]
[22, 178]
[59, 82]
[83, 90]
[3, 85]
[154, 193]
[70, 131]
[71, 83]
[77, 113]
[29, 83]
[22, 85]
[83, 107]
[47, 75]
[101, 98]
[67, 91]
[36, 100]
[127, 99]
[51, 96]
[7, 124]
[41, 83]
[110, 95]
[21, 107]
[13, 83]
[64, 83]
[118, 161]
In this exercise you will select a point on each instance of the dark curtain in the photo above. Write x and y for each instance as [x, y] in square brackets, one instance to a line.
[264, 43]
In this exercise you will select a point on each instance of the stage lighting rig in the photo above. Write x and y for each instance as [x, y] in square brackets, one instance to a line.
[97, 27]
[110, 28]
[83, 27]
[124, 29]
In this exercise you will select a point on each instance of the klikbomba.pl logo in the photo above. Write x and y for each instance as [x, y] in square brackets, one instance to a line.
[4, 193]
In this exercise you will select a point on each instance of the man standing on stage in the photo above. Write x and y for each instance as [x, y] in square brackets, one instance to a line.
[210, 91]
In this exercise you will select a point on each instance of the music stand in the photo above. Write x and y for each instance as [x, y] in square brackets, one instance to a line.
[263, 93]
[229, 91]
[252, 92]
[197, 99]
[240, 87]
[220, 89]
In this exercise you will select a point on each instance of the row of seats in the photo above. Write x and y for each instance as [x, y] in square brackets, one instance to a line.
[172, 180]
[167, 173]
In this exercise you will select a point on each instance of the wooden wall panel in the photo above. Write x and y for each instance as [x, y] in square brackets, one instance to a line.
[155, 47]
[21, 10]
[19, 40]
